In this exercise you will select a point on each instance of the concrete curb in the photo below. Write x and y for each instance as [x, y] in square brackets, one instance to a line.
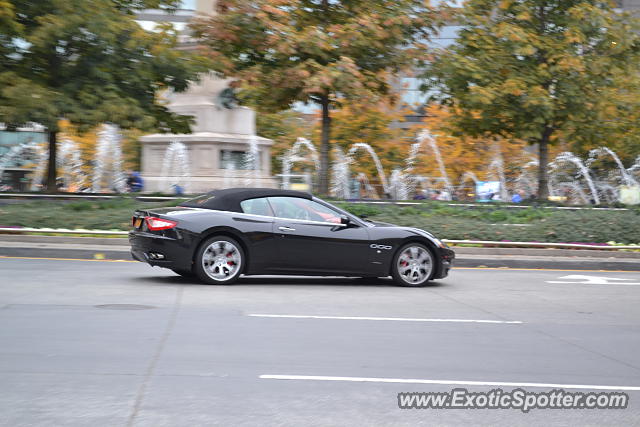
[38, 252]
[66, 240]
[30, 241]
[549, 263]
[491, 258]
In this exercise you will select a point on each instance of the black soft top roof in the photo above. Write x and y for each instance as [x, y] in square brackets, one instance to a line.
[229, 199]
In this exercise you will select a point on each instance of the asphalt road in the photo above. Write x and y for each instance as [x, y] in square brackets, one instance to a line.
[120, 343]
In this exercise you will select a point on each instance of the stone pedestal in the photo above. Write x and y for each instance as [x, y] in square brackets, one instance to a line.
[219, 135]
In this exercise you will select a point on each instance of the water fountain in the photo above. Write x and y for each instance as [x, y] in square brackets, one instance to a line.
[526, 180]
[70, 163]
[398, 188]
[293, 155]
[175, 167]
[340, 175]
[426, 136]
[252, 163]
[376, 160]
[365, 186]
[108, 160]
[635, 167]
[42, 156]
[495, 170]
[229, 171]
[402, 182]
[583, 172]
[18, 153]
[466, 177]
[625, 175]
[341, 169]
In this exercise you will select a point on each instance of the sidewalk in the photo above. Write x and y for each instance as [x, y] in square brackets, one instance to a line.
[118, 249]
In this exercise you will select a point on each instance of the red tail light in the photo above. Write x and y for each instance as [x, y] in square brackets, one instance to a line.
[156, 224]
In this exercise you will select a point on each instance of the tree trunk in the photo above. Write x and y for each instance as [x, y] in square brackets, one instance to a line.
[324, 146]
[52, 172]
[543, 161]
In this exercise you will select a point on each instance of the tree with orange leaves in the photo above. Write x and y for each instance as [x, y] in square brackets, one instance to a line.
[316, 51]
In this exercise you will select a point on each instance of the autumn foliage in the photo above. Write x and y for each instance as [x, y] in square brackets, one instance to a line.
[322, 52]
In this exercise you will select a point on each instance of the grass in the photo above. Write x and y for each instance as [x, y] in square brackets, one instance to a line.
[491, 222]
[112, 215]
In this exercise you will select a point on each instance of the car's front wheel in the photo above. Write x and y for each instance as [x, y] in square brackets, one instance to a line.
[219, 261]
[413, 265]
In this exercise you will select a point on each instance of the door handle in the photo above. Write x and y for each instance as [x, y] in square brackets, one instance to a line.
[286, 229]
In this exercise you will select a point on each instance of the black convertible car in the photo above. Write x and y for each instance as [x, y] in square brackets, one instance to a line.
[225, 233]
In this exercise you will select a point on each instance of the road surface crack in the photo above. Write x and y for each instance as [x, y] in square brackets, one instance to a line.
[156, 357]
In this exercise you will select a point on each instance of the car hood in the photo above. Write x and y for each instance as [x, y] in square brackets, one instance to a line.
[412, 229]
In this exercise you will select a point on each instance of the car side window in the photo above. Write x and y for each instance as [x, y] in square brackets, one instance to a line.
[298, 208]
[258, 206]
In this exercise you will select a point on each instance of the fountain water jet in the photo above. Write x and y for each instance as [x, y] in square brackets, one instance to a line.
[175, 166]
[426, 136]
[467, 176]
[376, 160]
[18, 152]
[340, 175]
[624, 173]
[229, 170]
[252, 162]
[496, 167]
[70, 162]
[397, 188]
[582, 171]
[109, 152]
[293, 155]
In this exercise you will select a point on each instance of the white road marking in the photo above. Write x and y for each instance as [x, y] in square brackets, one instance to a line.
[391, 319]
[447, 382]
[576, 279]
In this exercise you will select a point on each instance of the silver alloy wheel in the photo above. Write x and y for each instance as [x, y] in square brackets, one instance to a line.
[221, 260]
[415, 265]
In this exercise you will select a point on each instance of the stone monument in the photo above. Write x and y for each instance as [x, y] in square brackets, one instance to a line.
[222, 139]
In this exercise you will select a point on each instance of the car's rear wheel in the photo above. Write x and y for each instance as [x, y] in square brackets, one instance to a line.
[413, 265]
[219, 261]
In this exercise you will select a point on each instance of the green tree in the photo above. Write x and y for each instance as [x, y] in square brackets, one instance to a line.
[89, 62]
[536, 70]
[315, 51]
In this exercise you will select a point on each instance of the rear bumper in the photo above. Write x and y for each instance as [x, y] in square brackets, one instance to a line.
[159, 250]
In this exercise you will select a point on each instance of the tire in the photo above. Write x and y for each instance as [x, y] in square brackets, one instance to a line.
[219, 261]
[184, 273]
[413, 265]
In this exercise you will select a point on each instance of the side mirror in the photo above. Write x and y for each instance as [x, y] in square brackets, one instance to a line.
[345, 220]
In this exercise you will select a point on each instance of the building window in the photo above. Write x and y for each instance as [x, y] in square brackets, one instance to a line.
[231, 159]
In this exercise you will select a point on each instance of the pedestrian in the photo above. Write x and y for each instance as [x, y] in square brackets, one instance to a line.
[419, 195]
[518, 197]
[135, 182]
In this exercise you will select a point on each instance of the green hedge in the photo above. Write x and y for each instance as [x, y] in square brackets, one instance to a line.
[490, 222]
[529, 224]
